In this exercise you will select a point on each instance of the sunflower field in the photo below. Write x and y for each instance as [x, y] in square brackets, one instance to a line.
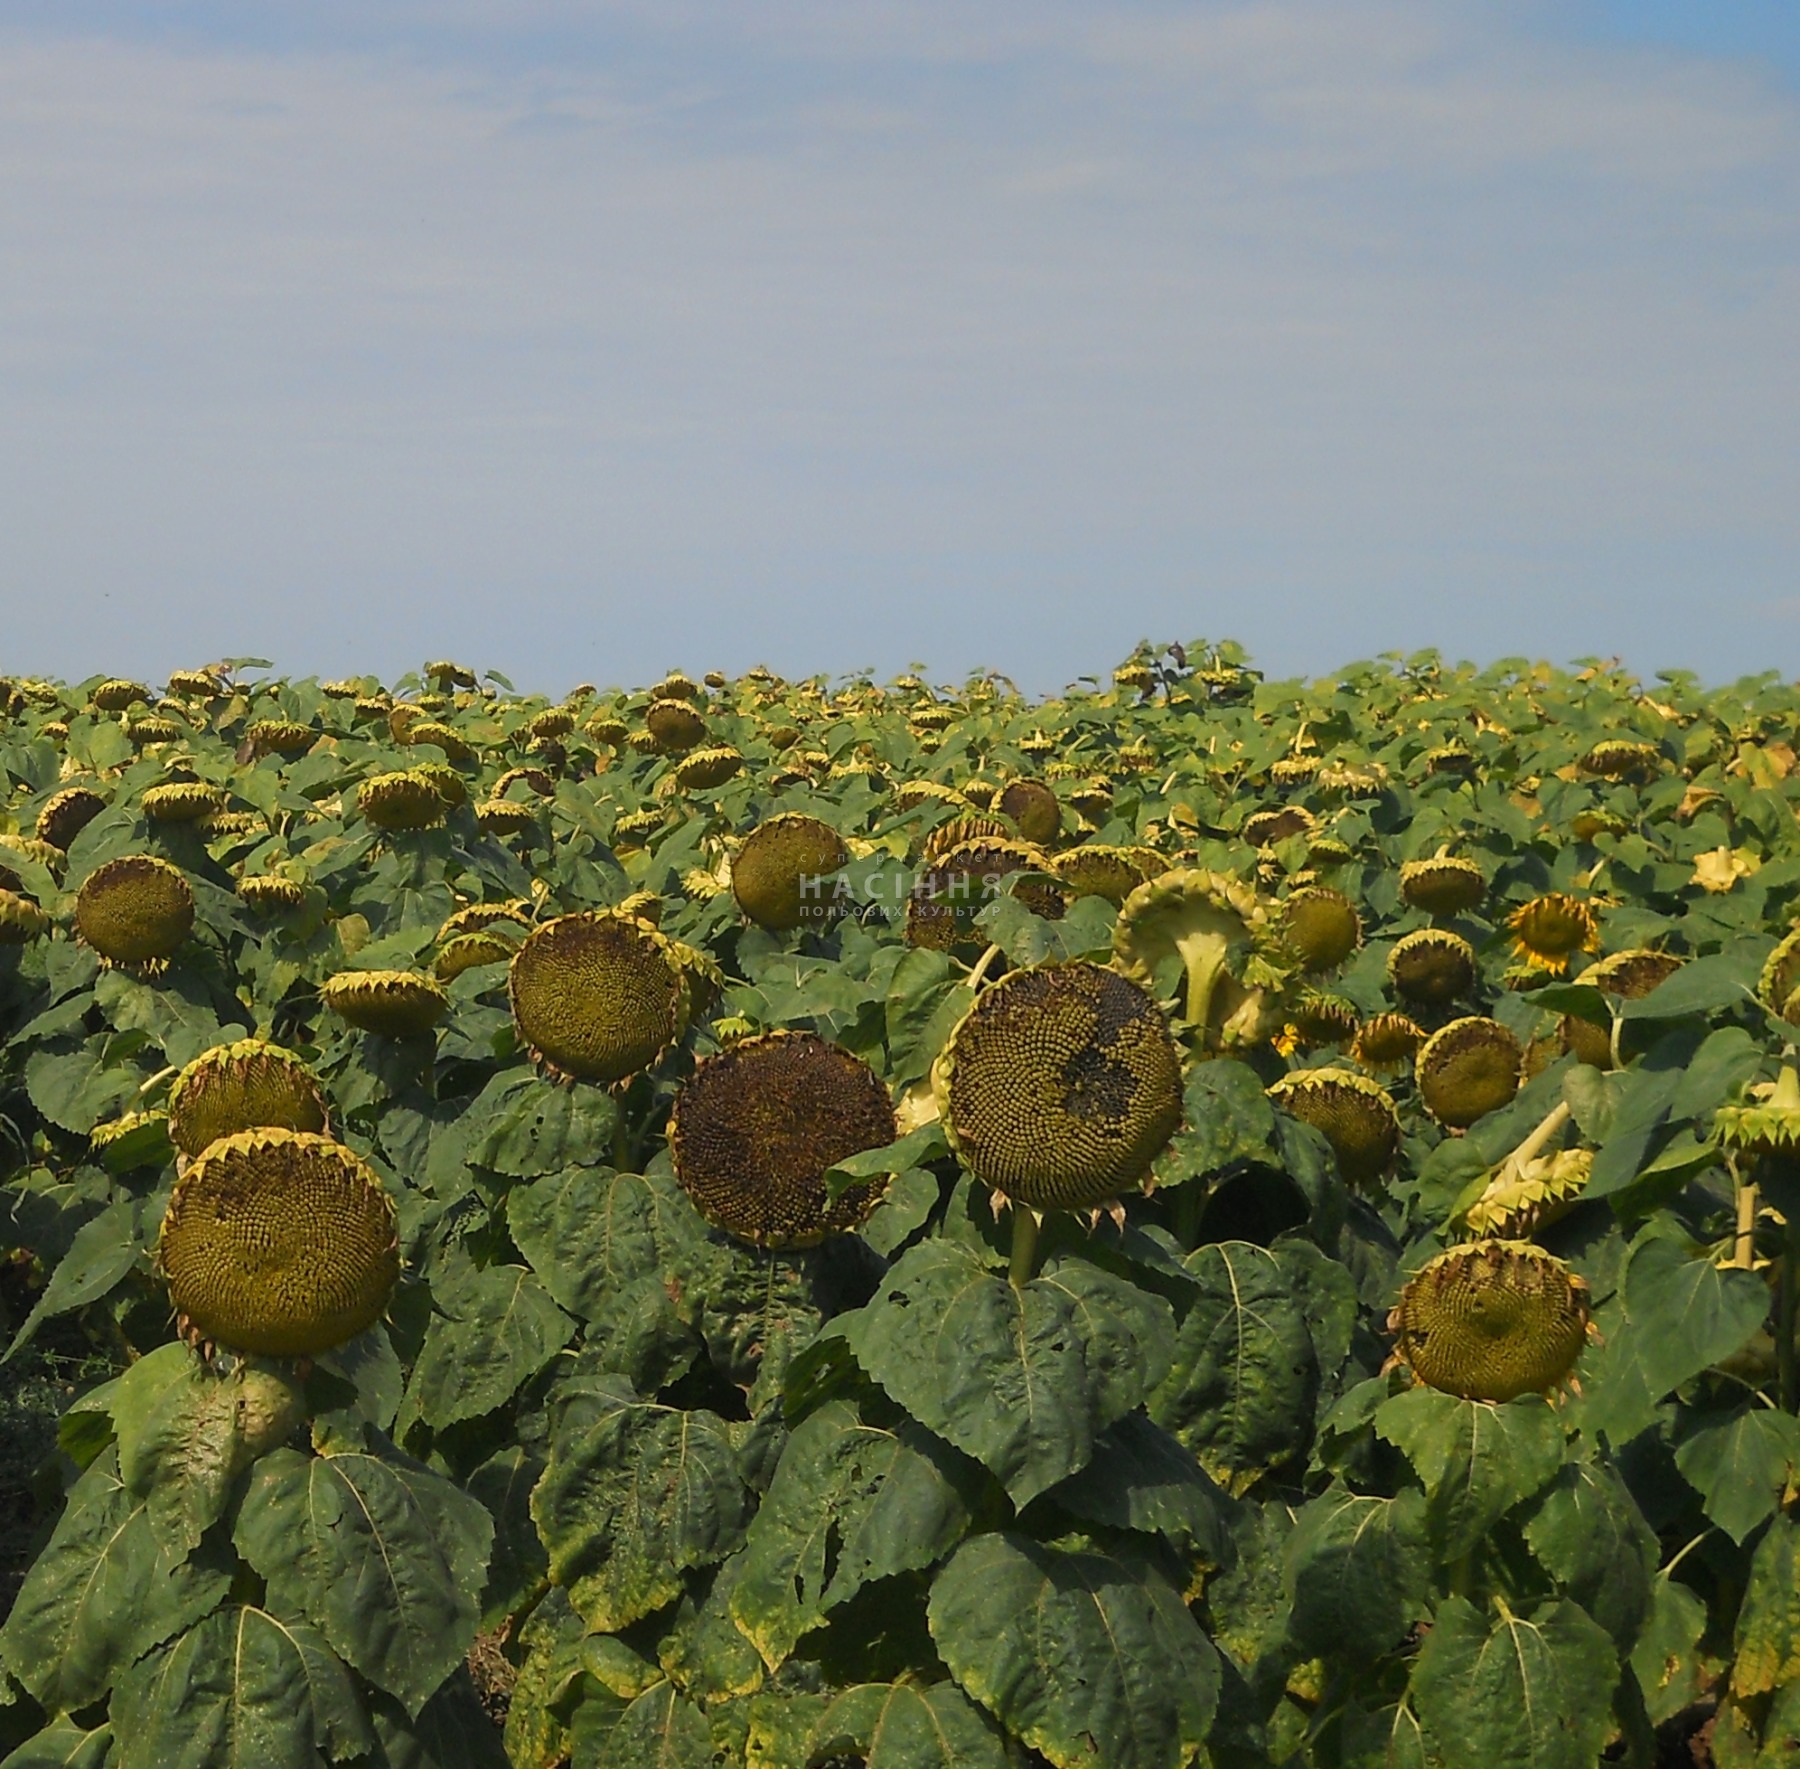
[878, 1225]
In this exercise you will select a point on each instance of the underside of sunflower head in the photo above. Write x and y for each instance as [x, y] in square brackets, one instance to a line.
[135, 911]
[1211, 924]
[402, 800]
[390, 1003]
[674, 726]
[1766, 1122]
[1467, 1069]
[598, 996]
[247, 1085]
[270, 893]
[1619, 758]
[1097, 870]
[702, 769]
[1357, 1117]
[756, 1128]
[1520, 1201]
[1492, 1320]
[280, 1243]
[1780, 979]
[1060, 1086]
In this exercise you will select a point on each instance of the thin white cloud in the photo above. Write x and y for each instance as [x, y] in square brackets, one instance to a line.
[870, 333]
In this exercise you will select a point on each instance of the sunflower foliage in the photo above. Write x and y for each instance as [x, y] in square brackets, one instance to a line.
[1199, 1221]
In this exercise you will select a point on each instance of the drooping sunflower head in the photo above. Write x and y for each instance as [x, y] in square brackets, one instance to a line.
[1431, 966]
[1516, 1204]
[279, 1243]
[1630, 975]
[21, 920]
[1492, 1320]
[390, 1003]
[503, 818]
[1263, 829]
[702, 769]
[269, 893]
[756, 1128]
[1201, 927]
[1619, 758]
[674, 726]
[781, 874]
[1317, 1018]
[279, 737]
[598, 995]
[1467, 1069]
[1035, 810]
[183, 801]
[1766, 1121]
[1357, 1117]
[1097, 870]
[116, 694]
[1550, 929]
[403, 800]
[1779, 985]
[135, 911]
[248, 1085]
[1320, 927]
[1387, 1043]
[952, 891]
[1060, 1086]
[66, 814]
[1445, 884]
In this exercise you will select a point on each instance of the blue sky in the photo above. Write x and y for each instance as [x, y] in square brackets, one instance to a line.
[583, 340]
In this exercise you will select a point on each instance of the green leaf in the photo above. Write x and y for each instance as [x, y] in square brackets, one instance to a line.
[451, 1731]
[100, 1595]
[659, 1730]
[915, 1149]
[1475, 1459]
[1667, 1661]
[1023, 1381]
[1091, 1659]
[76, 1089]
[850, 1503]
[385, 1557]
[1701, 986]
[179, 1447]
[174, 1013]
[1677, 1315]
[1357, 1572]
[1245, 1376]
[635, 1495]
[498, 1328]
[1141, 1478]
[532, 1126]
[1227, 1118]
[905, 1207]
[1534, 1690]
[905, 1726]
[609, 1246]
[1589, 1535]
[518, 1562]
[1741, 1465]
[1641, 1109]
[1768, 1623]
[243, 1687]
[757, 1312]
[62, 1745]
[100, 1257]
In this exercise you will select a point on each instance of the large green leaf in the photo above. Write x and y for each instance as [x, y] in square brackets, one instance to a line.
[1023, 1381]
[1357, 1571]
[518, 1562]
[498, 1327]
[1768, 1623]
[100, 1257]
[527, 1126]
[757, 1312]
[1587, 1531]
[1667, 1660]
[661, 1729]
[385, 1557]
[1141, 1478]
[1677, 1315]
[850, 1503]
[63, 1744]
[1227, 1119]
[1741, 1464]
[1246, 1374]
[1475, 1459]
[1092, 1659]
[609, 1247]
[903, 1726]
[1531, 1689]
[76, 1089]
[175, 1013]
[101, 1594]
[244, 1689]
[635, 1494]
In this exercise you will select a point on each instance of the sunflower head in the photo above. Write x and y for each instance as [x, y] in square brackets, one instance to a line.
[1431, 966]
[1445, 884]
[1320, 927]
[779, 875]
[1467, 1069]
[1387, 1043]
[1357, 1117]
[390, 1003]
[135, 911]
[1492, 1320]
[1549, 930]
[66, 814]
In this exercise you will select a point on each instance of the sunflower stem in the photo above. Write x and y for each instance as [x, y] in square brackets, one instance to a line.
[1535, 1144]
[978, 975]
[1024, 1246]
[1744, 1253]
